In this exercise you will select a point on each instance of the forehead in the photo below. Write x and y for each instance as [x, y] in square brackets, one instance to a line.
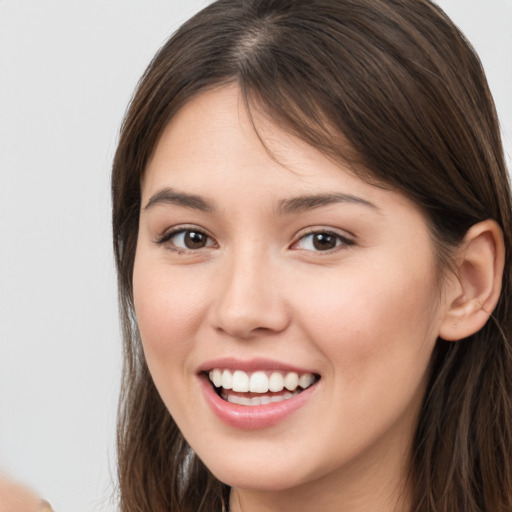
[214, 147]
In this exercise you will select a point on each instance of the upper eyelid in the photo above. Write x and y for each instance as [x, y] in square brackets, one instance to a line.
[342, 234]
[324, 229]
[346, 241]
[170, 232]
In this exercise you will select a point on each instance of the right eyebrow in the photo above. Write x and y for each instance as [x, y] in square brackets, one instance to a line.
[170, 196]
[309, 202]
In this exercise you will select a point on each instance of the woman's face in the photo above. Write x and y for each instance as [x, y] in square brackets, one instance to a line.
[258, 272]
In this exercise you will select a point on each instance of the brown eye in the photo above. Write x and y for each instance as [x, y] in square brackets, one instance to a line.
[322, 241]
[186, 240]
[194, 240]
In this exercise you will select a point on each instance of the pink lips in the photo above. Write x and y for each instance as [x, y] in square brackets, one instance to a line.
[251, 365]
[251, 417]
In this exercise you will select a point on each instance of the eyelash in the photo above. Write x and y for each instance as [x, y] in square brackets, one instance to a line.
[341, 241]
[168, 236]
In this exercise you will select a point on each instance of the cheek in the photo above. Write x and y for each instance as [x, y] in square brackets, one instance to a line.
[375, 324]
[167, 317]
[376, 335]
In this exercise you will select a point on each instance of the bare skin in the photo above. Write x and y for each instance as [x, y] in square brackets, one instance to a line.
[15, 497]
[247, 263]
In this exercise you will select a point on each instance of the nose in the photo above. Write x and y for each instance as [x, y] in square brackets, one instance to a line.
[251, 300]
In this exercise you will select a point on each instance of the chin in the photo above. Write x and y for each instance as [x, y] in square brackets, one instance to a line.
[258, 479]
[263, 473]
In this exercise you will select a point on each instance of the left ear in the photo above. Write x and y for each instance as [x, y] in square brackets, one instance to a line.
[474, 292]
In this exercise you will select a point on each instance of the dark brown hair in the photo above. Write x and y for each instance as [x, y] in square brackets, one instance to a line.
[393, 88]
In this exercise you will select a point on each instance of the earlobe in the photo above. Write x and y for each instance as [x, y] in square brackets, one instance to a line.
[474, 292]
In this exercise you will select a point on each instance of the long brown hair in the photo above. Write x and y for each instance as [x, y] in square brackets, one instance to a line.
[394, 89]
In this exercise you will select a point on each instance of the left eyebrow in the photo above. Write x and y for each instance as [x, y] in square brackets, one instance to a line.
[171, 196]
[309, 202]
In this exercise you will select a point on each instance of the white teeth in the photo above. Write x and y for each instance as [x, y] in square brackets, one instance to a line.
[216, 377]
[227, 379]
[276, 382]
[258, 400]
[306, 380]
[240, 400]
[240, 381]
[291, 381]
[260, 381]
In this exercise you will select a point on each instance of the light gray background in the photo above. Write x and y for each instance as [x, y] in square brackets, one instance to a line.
[67, 72]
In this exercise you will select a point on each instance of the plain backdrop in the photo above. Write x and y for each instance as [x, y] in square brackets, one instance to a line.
[67, 71]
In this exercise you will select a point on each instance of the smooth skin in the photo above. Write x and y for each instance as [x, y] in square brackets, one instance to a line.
[341, 282]
[15, 497]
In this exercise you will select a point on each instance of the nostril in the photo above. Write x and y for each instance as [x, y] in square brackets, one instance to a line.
[248, 306]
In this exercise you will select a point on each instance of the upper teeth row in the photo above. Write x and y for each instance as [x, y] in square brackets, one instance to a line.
[260, 381]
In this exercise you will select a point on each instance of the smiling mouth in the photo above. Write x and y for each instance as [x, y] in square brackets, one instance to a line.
[259, 387]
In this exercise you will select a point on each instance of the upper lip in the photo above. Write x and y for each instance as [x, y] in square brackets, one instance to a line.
[251, 365]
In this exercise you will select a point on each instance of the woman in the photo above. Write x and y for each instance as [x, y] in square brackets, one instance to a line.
[312, 223]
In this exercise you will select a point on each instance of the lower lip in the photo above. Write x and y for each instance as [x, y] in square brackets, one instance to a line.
[248, 417]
